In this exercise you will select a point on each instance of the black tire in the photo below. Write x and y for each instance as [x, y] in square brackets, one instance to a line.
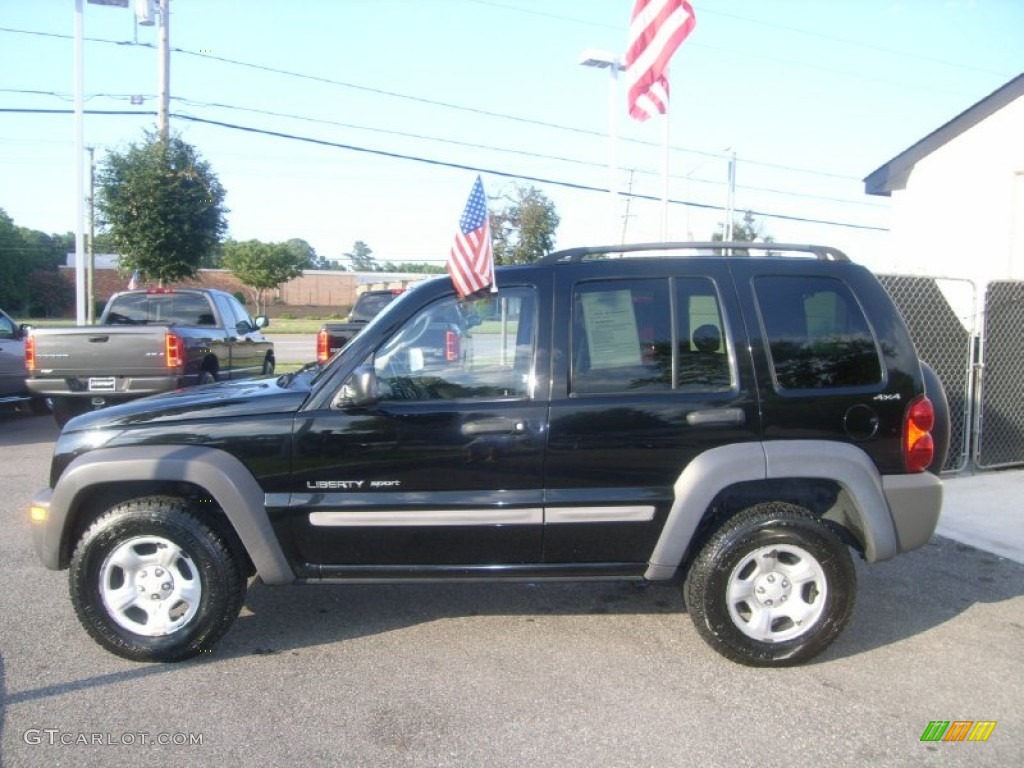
[183, 567]
[759, 622]
[268, 366]
[40, 406]
[66, 408]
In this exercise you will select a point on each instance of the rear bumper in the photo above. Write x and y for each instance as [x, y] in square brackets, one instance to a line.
[121, 388]
[915, 502]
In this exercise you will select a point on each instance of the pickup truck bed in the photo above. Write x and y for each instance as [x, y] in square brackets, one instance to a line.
[146, 343]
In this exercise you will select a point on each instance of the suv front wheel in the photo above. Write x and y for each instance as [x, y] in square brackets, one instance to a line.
[152, 581]
[772, 587]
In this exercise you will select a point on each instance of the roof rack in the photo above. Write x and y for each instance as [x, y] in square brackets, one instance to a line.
[710, 248]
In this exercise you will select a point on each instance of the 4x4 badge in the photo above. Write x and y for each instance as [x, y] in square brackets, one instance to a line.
[895, 396]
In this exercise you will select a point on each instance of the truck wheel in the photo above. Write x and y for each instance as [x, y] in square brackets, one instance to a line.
[268, 366]
[39, 405]
[66, 408]
[151, 581]
[773, 587]
[206, 377]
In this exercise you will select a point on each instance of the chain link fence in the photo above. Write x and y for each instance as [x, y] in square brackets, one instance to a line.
[940, 315]
[1001, 418]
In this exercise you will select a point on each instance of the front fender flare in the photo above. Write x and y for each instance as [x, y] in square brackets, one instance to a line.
[219, 473]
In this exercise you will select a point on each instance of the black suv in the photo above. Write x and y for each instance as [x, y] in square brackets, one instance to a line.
[735, 424]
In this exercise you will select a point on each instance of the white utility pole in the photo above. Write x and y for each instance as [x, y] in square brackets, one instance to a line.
[164, 70]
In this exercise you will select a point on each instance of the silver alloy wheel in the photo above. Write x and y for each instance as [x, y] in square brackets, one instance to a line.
[150, 586]
[776, 593]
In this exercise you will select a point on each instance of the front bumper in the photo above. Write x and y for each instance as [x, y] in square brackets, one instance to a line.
[46, 530]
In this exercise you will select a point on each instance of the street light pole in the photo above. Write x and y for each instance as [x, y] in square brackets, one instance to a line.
[79, 160]
[164, 70]
[609, 61]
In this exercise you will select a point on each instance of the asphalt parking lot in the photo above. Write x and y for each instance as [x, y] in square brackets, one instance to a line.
[599, 674]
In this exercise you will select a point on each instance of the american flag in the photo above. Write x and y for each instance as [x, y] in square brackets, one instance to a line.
[134, 282]
[471, 262]
[657, 29]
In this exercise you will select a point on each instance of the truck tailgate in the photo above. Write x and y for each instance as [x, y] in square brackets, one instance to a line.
[101, 351]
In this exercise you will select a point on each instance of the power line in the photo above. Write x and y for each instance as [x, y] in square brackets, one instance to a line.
[445, 164]
[438, 103]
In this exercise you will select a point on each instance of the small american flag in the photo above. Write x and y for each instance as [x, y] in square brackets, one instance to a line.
[134, 282]
[471, 261]
[657, 29]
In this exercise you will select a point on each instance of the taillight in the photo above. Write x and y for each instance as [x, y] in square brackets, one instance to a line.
[918, 446]
[30, 353]
[451, 346]
[174, 351]
[323, 347]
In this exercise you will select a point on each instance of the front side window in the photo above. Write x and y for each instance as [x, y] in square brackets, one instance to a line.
[451, 349]
[818, 336]
[6, 328]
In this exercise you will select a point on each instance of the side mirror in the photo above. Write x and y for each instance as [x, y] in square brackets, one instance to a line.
[262, 321]
[25, 329]
[360, 389]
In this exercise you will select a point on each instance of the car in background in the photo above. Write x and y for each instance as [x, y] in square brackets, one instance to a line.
[12, 367]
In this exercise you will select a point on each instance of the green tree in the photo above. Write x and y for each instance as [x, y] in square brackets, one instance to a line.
[162, 206]
[524, 230]
[362, 258]
[263, 266]
[49, 294]
[24, 252]
[417, 267]
[745, 230]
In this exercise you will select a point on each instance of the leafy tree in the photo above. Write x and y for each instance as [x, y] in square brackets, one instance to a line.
[263, 266]
[746, 230]
[162, 206]
[362, 258]
[22, 253]
[524, 230]
[49, 294]
[419, 267]
[303, 252]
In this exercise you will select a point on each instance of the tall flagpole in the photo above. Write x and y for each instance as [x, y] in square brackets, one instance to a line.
[664, 169]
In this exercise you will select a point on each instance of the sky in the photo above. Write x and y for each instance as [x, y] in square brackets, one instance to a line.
[415, 97]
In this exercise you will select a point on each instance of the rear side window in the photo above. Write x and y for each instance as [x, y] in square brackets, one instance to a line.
[818, 336]
[623, 337]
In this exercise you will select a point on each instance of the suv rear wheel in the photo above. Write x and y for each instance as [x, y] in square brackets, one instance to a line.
[151, 581]
[772, 587]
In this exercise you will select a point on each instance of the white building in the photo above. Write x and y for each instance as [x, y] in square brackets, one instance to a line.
[958, 194]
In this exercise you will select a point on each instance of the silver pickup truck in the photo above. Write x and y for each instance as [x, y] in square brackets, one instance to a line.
[147, 342]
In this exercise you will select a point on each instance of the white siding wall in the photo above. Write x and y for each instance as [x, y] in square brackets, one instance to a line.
[962, 212]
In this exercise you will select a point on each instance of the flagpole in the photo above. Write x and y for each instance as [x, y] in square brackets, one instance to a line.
[664, 171]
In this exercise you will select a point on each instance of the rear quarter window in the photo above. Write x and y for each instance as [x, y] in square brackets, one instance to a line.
[818, 336]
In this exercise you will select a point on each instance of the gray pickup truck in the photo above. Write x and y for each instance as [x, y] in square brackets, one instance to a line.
[147, 342]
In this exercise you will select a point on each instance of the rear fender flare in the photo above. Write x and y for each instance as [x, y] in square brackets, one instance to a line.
[719, 468]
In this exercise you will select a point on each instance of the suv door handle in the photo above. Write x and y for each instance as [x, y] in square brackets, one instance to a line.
[494, 426]
[715, 416]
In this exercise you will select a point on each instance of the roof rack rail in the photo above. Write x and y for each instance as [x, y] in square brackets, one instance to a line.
[709, 248]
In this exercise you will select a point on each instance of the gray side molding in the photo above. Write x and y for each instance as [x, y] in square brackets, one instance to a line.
[715, 470]
[222, 475]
